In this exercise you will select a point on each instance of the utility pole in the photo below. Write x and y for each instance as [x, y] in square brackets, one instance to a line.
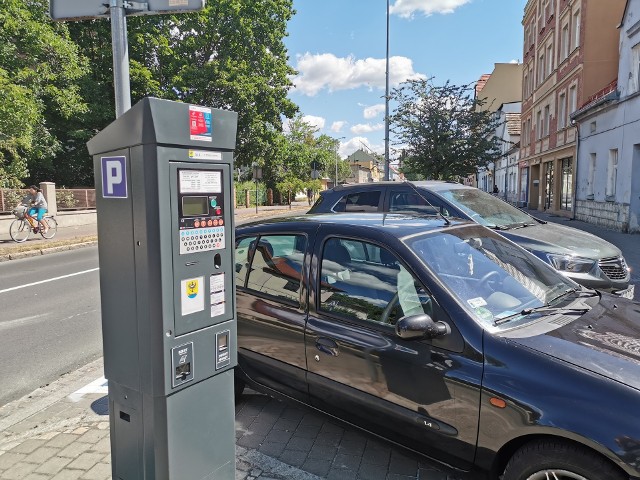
[386, 107]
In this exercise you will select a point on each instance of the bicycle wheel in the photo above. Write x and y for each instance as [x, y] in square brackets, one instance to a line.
[53, 227]
[19, 230]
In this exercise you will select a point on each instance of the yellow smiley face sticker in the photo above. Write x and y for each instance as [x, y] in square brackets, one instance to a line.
[192, 288]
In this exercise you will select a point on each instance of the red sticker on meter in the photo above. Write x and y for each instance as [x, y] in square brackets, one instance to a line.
[200, 123]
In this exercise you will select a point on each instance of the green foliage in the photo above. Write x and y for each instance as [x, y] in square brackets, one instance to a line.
[39, 74]
[443, 132]
[65, 198]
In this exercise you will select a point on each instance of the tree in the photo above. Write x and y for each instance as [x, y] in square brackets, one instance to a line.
[443, 132]
[230, 55]
[39, 73]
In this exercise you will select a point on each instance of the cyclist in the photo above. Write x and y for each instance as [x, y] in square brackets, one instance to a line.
[38, 206]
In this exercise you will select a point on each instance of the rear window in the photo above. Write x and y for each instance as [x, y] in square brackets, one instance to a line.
[359, 202]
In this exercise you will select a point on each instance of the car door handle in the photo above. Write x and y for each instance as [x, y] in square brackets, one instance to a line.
[328, 346]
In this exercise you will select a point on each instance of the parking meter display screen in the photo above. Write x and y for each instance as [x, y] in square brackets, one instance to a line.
[195, 206]
[201, 210]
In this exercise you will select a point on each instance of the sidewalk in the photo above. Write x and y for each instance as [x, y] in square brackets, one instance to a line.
[61, 432]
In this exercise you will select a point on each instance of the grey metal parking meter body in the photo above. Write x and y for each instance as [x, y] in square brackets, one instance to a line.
[164, 190]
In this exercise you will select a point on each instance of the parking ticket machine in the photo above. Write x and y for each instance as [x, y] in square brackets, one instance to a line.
[164, 189]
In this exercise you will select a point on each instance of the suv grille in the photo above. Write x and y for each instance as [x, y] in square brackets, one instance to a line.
[615, 268]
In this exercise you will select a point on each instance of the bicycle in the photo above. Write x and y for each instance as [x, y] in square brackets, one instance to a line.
[24, 224]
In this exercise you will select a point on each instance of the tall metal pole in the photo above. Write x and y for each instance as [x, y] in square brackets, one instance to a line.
[120, 57]
[386, 107]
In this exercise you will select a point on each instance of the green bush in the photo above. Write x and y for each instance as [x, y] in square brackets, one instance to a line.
[65, 198]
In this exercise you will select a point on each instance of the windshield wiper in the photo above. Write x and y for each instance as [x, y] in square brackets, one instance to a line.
[542, 309]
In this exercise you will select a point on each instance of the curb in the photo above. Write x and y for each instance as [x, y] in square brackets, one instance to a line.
[44, 251]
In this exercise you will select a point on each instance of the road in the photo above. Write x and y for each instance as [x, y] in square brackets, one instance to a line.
[50, 319]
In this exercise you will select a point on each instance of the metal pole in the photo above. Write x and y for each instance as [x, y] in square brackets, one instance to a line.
[256, 194]
[121, 84]
[386, 108]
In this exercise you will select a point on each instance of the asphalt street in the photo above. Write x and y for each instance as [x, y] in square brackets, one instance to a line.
[50, 319]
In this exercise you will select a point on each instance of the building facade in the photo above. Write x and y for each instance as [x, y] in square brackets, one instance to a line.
[501, 93]
[608, 168]
[364, 167]
[570, 53]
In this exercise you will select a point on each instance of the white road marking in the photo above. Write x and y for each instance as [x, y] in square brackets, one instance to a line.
[97, 386]
[48, 280]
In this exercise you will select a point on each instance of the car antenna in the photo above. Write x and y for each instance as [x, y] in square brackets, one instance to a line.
[415, 189]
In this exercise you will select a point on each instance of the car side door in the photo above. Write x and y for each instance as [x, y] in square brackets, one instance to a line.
[271, 268]
[360, 370]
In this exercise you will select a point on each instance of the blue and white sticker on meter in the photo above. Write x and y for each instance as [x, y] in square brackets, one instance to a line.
[114, 177]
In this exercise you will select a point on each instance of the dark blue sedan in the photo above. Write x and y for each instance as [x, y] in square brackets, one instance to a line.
[445, 337]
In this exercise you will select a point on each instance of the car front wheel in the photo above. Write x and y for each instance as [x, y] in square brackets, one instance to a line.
[556, 460]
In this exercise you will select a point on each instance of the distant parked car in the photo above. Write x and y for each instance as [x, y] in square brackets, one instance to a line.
[445, 337]
[581, 256]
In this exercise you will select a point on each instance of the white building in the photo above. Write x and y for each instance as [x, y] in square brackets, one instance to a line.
[608, 168]
[506, 174]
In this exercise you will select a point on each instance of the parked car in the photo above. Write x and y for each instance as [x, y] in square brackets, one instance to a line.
[444, 337]
[583, 257]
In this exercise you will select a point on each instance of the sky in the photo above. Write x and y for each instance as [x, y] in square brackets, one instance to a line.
[338, 48]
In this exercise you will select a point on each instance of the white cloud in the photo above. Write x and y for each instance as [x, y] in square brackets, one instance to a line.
[337, 126]
[408, 8]
[366, 128]
[373, 111]
[317, 122]
[326, 71]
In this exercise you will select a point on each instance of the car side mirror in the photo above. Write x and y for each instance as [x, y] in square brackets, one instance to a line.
[420, 326]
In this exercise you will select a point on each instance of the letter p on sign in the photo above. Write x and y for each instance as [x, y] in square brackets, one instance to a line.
[114, 177]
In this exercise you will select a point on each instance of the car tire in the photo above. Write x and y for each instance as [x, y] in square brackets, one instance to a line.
[238, 388]
[544, 459]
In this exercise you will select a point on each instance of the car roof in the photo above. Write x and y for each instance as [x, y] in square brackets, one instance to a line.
[396, 224]
[430, 184]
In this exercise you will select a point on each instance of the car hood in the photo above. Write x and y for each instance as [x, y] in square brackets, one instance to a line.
[554, 238]
[605, 340]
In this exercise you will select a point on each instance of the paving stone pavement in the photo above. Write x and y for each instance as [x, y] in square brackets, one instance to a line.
[60, 432]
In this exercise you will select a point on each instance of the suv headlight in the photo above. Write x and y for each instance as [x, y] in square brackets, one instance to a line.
[567, 263]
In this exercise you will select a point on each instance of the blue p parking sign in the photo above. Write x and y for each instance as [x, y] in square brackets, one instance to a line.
[114, 177]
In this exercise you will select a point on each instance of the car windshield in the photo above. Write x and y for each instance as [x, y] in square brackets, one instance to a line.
[498, 282]
[486, 209]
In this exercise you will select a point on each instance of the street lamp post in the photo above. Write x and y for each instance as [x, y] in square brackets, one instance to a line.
[386, 107]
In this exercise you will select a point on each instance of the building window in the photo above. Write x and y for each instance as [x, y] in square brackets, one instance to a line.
[525, 85]
[564, 42]
[634, 79]
[566, 195]
[592, 176]
[549, 59]
[573, 102]
[539, 125]
[612, 173]
[547, 120]
[562, 111]
[541, 65]
[576, 29]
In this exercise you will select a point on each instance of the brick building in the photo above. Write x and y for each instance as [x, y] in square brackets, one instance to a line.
[570, 53]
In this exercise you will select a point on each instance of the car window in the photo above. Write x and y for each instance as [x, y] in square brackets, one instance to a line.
[359, 202]
[376, 289]
[242, 259]
[410, 201]
[276, 266]
[485, 209]
[492, 277]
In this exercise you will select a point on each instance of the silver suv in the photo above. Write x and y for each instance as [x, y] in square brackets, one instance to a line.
[581, 256]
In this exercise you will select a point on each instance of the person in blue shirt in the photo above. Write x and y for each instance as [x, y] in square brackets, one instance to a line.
[38, 206]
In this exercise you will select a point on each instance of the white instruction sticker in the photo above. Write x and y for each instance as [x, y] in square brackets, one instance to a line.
[200, 181]
[216, 290]
[192, 295]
